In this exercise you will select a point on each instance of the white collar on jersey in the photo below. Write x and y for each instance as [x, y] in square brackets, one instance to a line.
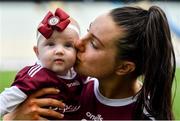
[114, 102]
[69, 75]
[111, 102]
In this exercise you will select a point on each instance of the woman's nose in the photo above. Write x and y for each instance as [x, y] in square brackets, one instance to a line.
[80, 45]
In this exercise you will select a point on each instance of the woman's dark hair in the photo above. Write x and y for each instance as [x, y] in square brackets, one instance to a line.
[148, 44]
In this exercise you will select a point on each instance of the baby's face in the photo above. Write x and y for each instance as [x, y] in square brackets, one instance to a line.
[58, 52]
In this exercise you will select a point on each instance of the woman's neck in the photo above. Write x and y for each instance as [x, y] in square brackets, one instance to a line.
[118, 88]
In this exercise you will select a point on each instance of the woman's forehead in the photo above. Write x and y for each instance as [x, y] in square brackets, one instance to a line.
[104, 28]
[103, 18]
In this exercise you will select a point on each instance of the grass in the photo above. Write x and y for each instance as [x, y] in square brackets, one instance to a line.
[176, 104]
[6, 77]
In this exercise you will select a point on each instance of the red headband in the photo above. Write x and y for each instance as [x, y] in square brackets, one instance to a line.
[59, 21]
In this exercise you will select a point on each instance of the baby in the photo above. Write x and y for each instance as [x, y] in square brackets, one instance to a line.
[56, 36]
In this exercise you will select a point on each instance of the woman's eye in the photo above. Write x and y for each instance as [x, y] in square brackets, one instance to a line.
[93, 44]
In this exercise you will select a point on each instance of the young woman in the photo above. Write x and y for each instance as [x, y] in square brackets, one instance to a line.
[121, 46]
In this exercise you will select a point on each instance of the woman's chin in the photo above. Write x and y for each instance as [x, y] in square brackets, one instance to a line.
[77, 67]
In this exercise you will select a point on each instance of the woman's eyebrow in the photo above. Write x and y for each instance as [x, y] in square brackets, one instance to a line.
[90, 25]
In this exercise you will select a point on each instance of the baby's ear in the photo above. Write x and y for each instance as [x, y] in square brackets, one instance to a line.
[35, 48]
[125, 67]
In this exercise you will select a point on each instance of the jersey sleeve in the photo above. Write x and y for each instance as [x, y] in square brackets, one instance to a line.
[23, 81]
[10, 98]
[30, 79]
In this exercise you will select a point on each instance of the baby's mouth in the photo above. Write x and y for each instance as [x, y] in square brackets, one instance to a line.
[59, 61]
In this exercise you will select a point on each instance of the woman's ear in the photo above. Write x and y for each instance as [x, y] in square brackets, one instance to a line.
[35, 48]
[125, 67]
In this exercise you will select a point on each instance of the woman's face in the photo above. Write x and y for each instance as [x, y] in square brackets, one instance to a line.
[97, 49]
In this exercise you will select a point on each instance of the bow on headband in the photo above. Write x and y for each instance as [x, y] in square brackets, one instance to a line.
[59, 21]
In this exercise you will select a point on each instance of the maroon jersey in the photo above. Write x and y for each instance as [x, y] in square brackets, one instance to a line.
[32, 78]
[95, 106]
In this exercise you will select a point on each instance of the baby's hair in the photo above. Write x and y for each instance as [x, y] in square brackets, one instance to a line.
[148, 44]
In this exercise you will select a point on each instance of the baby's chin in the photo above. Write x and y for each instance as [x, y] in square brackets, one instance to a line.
[59, 71]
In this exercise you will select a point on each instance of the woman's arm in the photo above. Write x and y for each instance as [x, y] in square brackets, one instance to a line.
[32, 107]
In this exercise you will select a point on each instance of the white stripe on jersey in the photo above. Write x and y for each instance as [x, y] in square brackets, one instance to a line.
[88, 79]
[34, 70]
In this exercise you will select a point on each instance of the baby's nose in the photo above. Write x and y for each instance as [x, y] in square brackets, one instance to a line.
[59, 50]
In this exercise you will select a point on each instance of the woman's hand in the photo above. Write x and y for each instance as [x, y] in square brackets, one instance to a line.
[32, 107]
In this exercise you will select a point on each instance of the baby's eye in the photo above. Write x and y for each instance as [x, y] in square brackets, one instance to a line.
[68, 44]
[50, 44]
